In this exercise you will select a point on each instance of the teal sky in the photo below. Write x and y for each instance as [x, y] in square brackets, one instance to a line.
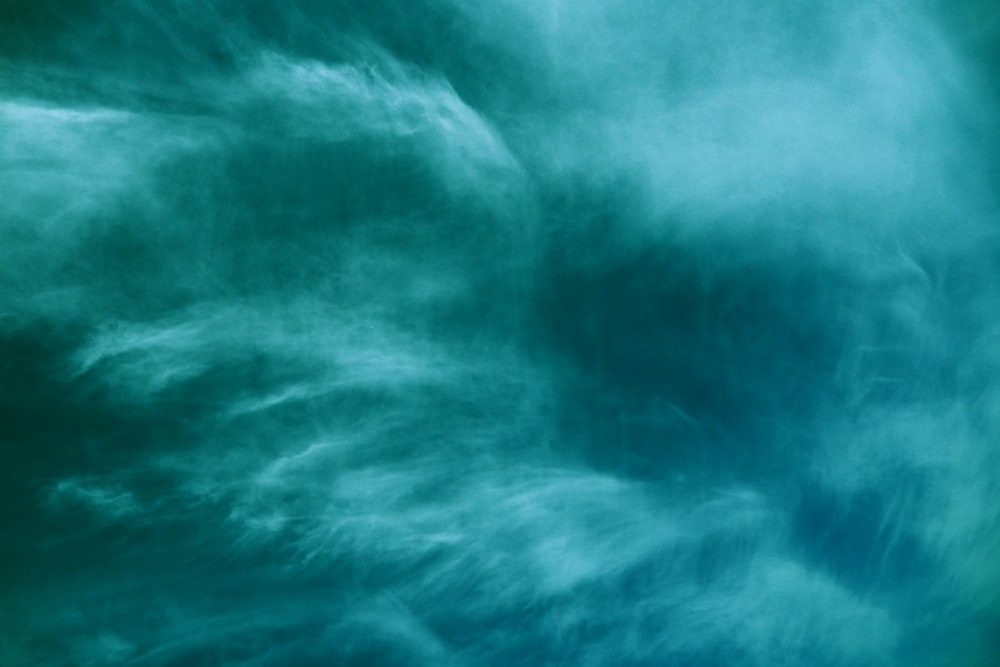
[630, 333]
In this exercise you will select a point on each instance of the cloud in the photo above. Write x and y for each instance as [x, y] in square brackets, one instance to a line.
[575, 333]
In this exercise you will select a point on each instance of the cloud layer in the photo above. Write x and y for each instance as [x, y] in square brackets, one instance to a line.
[518, 333]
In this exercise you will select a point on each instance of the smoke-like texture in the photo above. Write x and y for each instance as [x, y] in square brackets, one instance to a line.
[426, 332]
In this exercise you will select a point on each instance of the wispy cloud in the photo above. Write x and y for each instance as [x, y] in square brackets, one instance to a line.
[561, 333]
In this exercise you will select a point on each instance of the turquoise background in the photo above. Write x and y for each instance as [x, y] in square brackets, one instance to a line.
[652, 332]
